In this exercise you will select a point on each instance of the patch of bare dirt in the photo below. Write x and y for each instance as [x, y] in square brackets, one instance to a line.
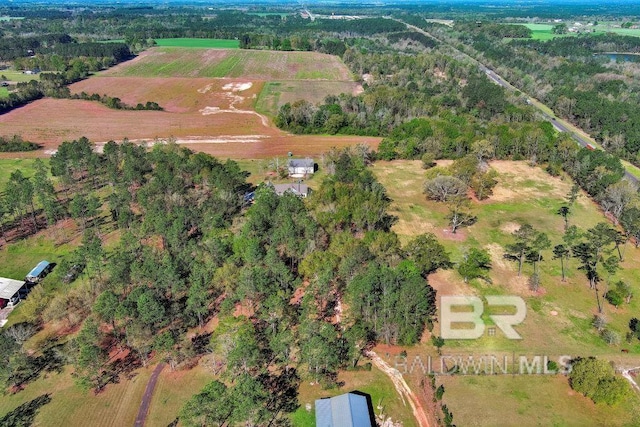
[497, 257]
[510, 227]
[402, 388]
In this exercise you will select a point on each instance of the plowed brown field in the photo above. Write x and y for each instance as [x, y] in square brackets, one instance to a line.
[210, 114]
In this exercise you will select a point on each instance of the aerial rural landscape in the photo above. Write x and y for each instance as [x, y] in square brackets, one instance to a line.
[407, 213]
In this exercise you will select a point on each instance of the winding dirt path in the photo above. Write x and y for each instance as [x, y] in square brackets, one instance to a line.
[402, 388]
[146, 397]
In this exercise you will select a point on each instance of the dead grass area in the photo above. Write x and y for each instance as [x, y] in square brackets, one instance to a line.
[519, 180]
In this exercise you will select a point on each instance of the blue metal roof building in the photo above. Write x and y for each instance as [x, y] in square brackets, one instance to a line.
[346, 410]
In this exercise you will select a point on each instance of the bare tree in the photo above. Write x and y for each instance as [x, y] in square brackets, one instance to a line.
[444, 188]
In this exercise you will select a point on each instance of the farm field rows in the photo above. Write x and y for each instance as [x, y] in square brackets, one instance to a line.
[215, 114]
[232, 63]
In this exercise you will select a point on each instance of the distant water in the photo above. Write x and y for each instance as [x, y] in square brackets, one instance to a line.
[623, 57]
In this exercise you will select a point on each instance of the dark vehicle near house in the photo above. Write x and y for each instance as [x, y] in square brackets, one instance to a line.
[73, 273]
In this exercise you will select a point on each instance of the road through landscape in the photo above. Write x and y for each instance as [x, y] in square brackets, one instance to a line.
[561, 125]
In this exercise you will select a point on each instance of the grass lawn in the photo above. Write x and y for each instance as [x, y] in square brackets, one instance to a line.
[4, 92]
[18, 76]
[558, 318]
[534, 400]
[374, 382]
[8, 166]
[200, 43]
[633, 170]
[116, 406]
[277, 93]
[173, 389]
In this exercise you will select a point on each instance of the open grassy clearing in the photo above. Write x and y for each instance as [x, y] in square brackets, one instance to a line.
[373, 382]
[199, 43]
[558, 319]
[173, 390]
[116, 406]
[8, 166]
[534, 400]
[275, 94]
[249, 64]
[18, 76]
[559, 316]
[632, 169]
[4, 92]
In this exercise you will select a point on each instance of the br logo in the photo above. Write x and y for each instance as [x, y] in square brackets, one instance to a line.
[504, 322]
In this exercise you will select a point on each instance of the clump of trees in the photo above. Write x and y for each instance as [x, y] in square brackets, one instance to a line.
[596, 379]
[15, 144]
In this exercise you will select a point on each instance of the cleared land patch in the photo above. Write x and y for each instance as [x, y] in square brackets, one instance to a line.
[277, 93]
[211, 114]
[51, 121]
[523, 195]
[199, 43]
[531, 400]
[249, 64]
[176, 94]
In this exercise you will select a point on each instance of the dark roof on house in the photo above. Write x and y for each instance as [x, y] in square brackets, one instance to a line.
[346, 410]
[38, 269]
[301, 163]
[295, 188]
[9, 287]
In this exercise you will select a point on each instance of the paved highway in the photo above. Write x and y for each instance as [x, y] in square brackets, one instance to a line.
[499, 80]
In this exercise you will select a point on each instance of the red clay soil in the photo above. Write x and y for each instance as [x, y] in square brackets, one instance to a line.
[52, 121]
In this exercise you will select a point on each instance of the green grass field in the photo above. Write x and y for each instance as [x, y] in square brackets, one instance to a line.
[275, 94]
[558, 319]
[199, 43]
[542, 31]
[116, 406]
[173, 389]
[8, 166]
[4, 92]
[535, 400]
[18, 76]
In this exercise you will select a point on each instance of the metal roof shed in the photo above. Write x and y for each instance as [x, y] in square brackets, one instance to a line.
[346, 410]
[38, 270]
[9, 287]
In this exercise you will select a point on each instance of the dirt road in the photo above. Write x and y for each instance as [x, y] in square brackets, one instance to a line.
[146, 397]
[402, 387]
